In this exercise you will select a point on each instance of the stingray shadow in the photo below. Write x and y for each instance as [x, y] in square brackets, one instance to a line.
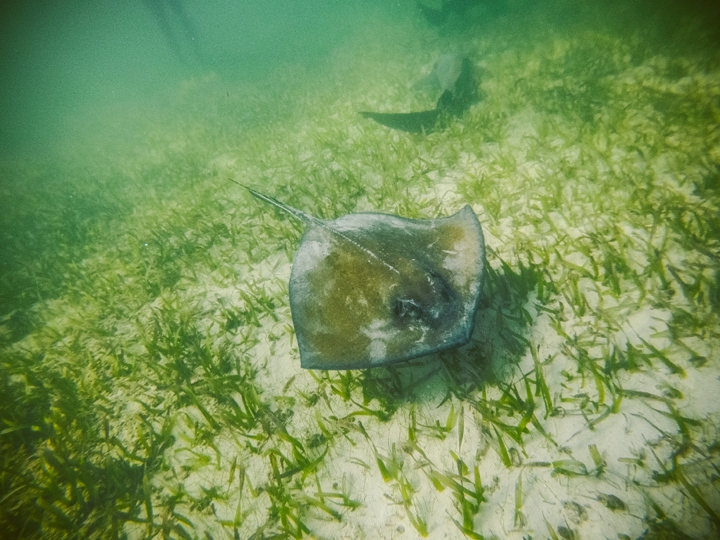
[500, 340]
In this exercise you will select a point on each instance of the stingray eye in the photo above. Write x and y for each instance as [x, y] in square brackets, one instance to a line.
[407, 309]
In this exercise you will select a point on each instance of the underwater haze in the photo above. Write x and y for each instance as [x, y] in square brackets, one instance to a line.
[149, 368]
[63, 58]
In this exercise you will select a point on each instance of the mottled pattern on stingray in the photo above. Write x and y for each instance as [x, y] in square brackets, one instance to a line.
[372, 289]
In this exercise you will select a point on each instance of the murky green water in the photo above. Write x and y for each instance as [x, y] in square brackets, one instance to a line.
[151, 379]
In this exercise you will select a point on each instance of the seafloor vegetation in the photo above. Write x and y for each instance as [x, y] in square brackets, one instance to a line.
[150, 380]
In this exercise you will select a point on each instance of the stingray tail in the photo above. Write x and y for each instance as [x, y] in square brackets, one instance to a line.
[307, 219]
[294, 212]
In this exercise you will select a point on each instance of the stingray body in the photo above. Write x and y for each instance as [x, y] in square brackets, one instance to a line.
[370, 289]
[443, 75]
[453, 74]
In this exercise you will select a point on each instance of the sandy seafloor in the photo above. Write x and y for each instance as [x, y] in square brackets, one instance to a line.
[156, 390]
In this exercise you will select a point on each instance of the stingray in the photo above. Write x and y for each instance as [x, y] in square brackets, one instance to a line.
[442, 77]
[454, 75]
[371, 289]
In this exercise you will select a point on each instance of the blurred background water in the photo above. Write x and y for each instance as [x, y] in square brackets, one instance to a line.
[61, 57]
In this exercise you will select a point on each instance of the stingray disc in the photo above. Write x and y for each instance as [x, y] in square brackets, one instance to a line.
[371, 289]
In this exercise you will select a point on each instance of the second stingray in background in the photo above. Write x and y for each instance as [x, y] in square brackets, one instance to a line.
[454, 76]
[370, 289]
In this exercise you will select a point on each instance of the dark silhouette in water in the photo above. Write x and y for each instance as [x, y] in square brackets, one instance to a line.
[438, 17]
[414, 122]
[458, 95]
[177, 28]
